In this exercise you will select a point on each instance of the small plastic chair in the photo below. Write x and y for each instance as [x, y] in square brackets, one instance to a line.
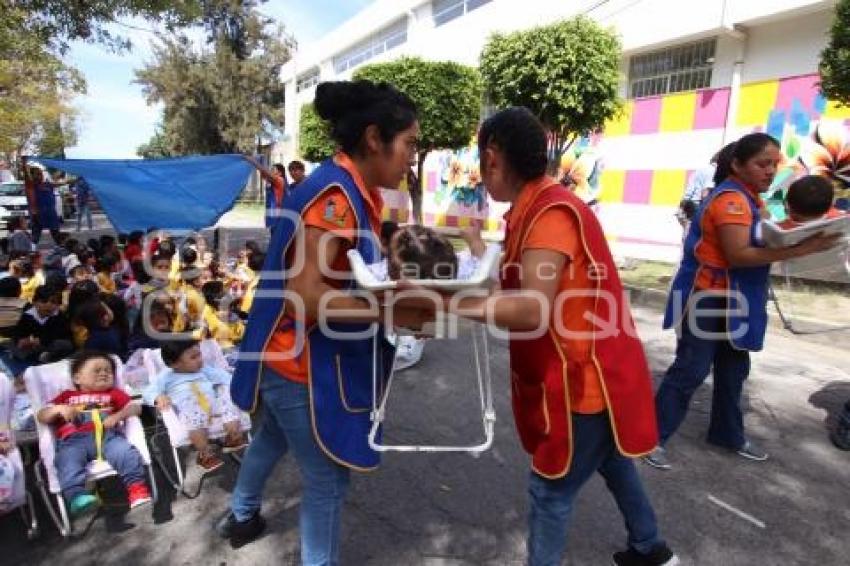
[178, 436]
[43, 383]
[19, 498]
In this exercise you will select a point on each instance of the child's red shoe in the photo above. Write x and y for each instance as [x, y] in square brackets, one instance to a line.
[138, 494]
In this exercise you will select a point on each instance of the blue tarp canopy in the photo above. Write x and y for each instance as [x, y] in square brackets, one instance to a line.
[188, 193]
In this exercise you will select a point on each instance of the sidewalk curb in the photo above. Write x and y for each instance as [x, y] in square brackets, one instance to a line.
[656, 299]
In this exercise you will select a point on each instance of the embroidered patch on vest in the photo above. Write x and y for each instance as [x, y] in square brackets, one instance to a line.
[735, 208]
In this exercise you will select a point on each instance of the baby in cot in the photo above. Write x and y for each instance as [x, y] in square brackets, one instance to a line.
[77, 416]
[198, 393]
[809, 198]
[417, 252]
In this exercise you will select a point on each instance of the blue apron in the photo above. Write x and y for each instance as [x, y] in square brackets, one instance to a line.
[45, 202]
[272, 206]
[746, 328]
[339, 371]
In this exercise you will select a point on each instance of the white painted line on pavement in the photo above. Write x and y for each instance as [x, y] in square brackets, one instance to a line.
[736, 511]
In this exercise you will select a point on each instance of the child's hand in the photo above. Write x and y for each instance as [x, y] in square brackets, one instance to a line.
[67, 412]
[473, 239]
[111, 422]
[163, 402]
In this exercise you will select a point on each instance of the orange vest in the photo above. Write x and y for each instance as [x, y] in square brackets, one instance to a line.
[540, 368]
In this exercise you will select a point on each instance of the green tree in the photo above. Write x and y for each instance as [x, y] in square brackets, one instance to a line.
[835, 58]
[36, 88]
[58, 22]
[156, 147]
[566, 73]
[225, 97]
[314, 141]
[448, 98]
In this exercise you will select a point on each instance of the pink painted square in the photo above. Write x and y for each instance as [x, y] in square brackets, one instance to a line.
[712, 106]
[637, 187]
[431, 181]
[646, 115]
[804, 89]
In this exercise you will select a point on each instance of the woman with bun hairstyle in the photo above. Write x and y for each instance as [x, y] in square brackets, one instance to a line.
[580, 383]
[308, 351]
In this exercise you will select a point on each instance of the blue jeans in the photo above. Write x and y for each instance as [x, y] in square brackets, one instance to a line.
[77, 450]
[551, 502]
[81, 210]
[285, 424]
[695, 357]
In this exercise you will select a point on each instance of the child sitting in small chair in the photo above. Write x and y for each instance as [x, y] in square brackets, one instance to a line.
[74, 415]
[809, 199]
[197, 393]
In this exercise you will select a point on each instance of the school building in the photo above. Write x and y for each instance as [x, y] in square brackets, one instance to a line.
[695, 74]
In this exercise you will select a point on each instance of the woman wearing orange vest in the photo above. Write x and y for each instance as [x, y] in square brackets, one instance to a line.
[580, 384]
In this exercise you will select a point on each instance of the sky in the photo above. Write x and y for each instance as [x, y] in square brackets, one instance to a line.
[115, 119]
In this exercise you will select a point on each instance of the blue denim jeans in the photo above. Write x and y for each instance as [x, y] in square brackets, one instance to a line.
[695, 356]
[83, 209]
[74, 452]
[551, 501]
[286, 424]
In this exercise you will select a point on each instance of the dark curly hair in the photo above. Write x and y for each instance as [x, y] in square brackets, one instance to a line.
[417, 252]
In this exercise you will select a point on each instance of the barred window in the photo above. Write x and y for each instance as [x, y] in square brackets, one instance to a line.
[384, 40]
[674, 69]
[445, 11]
[307, 80]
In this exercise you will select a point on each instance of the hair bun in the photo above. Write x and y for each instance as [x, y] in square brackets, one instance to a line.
[336, 99]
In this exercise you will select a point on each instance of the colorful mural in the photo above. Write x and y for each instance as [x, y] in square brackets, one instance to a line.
[814, 132]
[815, 136]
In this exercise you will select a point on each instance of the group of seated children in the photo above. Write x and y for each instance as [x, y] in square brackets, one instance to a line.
[101, 297]
[96, 300]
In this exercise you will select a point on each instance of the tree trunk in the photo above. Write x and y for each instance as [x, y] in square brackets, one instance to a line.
[416, 189]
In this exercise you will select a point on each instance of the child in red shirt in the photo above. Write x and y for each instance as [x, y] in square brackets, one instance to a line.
[74, 415]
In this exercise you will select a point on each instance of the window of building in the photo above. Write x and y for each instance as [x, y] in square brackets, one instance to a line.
[674, 69]
[307, 80]
[389, 37]
[447, 10]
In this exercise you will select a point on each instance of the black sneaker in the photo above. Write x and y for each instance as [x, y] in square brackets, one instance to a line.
[840, 436]
[240, 533]
[660, 555]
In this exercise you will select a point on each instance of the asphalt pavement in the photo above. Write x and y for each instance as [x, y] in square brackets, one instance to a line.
[714, 508]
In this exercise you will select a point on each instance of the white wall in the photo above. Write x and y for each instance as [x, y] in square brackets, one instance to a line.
[786, 48]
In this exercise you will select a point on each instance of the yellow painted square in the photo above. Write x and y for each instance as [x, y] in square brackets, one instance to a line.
[612, 183]
[756, 102]
[678, 112]
[667, 187]
[621, 125]
[439, 220]
[464, 222]
[492, 225]
[835, 112]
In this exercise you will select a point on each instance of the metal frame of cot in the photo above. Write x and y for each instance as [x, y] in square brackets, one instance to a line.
[481, 357]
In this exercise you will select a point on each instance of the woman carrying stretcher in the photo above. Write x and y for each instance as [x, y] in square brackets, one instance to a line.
[581, 390]
[307, 354]
[718, 299]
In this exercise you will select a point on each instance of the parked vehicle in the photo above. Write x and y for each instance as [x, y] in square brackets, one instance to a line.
[13, 202]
